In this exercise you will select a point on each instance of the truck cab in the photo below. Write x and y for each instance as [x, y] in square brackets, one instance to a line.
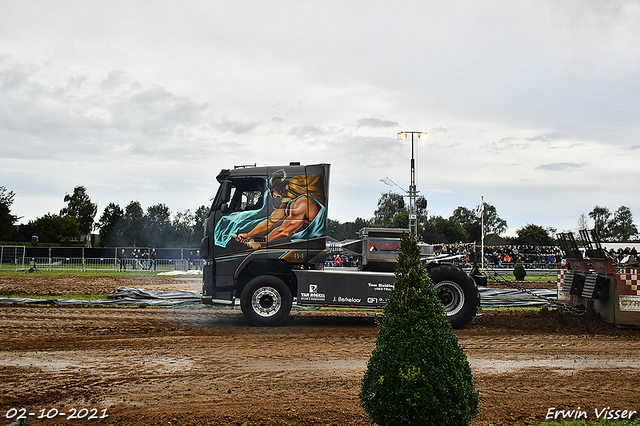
[264, 221]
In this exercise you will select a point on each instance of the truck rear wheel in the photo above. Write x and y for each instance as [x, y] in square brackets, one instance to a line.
[266, 301]
[457, 292]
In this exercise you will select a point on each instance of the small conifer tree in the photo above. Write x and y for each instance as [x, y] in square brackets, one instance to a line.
[519, 272]
[417, 373]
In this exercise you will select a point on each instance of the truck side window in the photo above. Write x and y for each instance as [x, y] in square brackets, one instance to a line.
[248, 195]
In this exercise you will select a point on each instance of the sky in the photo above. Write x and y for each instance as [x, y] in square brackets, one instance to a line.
[532, 105]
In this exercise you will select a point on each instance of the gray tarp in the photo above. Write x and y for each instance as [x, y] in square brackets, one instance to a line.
[489, 297]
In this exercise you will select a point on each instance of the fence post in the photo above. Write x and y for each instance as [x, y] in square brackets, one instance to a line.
[50, 266]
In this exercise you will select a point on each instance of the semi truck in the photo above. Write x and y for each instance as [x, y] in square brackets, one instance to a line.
[265, 242]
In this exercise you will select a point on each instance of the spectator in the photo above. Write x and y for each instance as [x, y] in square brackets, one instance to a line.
[190, 260]
[145, 260]
[123, 260]
[134, 258]
[153, 256]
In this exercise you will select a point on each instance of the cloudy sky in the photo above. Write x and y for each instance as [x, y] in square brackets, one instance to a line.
[534, 105]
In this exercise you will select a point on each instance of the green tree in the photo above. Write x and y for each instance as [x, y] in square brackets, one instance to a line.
[430, 234]
[201, 214]
[57, 228]
[493, 224]
[583, 223]
[450, 229]
[158, 225]
[80, 207]
[601, 216]
[184, 227]
[401, 220]
[472, 221]
[533, 235]
[519, 272]
[469, 220]
[347, 230]
[352, 229]
[198, 228]
[417, 373]
[387, 208]
[621, 227]
[7, 220]
[133, 225]
[336, 230]
[110, 226]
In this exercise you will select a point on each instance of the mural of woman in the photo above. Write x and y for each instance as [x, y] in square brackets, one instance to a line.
[301, 214]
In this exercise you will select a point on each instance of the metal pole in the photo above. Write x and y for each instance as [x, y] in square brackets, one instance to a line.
[482, 232]
[413, 222]
[413, 211]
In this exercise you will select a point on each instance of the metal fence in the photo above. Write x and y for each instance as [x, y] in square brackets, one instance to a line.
[98, 259]
[11, 257]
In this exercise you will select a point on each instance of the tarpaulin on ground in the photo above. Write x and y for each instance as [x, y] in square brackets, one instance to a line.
[143, 293]
[512, 298]
[489, 298]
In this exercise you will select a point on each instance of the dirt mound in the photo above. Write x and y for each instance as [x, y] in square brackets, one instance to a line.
[46, 284]
[544, 320]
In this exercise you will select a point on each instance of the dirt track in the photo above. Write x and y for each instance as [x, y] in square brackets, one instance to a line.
[206, 366]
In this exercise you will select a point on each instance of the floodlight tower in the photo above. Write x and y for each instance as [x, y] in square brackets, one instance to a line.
[413, 213]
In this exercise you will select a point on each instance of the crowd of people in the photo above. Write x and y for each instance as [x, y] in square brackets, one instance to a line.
[506, 256]
[545, 257]
[144, 259]
[549, 257]
[140, 259]
[340, 260]
[623, 255]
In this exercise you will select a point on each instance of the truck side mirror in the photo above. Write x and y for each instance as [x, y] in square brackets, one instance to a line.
[224, 208]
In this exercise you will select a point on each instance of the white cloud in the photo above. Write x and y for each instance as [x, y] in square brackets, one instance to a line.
[532, 104]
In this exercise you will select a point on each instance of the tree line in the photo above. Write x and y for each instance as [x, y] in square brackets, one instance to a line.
[464, 225]
[468, 225]
[129, 227]
[158, 227]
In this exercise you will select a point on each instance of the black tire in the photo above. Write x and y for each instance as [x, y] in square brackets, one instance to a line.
[266, 301]
[458, 293]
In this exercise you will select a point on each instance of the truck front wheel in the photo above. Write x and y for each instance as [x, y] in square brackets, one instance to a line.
[266, 301]
[457, 292]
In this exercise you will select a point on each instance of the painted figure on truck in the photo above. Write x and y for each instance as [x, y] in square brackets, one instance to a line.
[299, 216]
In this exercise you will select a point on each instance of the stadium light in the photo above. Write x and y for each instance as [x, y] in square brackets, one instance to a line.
[413, 213]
